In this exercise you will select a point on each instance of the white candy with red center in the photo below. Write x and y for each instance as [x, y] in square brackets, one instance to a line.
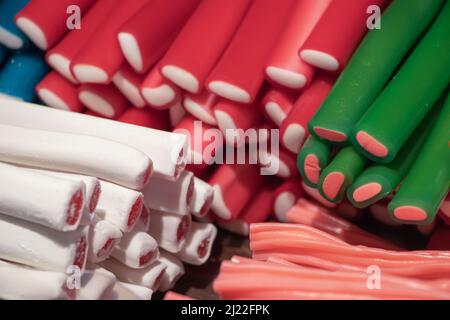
[136, 250]
[120, 206]
[174, 196]
[75, 153]
[95, 282]
[19, 282]
[103, 236]
[41, 247]
[149, 277]
[202, 198]
[127, 291]
[199, 242]
[165, 149]
[143, 224]
[169, 230]
[53, 202]
[175, 270]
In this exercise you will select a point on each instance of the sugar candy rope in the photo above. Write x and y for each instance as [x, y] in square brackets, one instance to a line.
[128, 82]
[403, 24]
[159, 92]
[418, 200]
[174, 271]
[285, 197]
[383, 129]
[46, 27]
[276, 105]
[105, 100]
[103, 236]
[201, 106]
[10, 35]
[95, 282]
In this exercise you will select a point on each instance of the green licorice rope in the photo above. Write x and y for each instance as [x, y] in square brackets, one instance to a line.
[318, 153]
[428, 181]
[386, 177]
[348, 164]
[373, 64]
[410, 95]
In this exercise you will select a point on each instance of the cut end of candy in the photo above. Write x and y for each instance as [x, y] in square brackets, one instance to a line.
[107, 248]
[33, 31]
[75, 208]
[275, 112]
[331, 135]
[410, 213]
[95, 197]
[229, 91]
[197, 111]
[62, 65]
[96, 103]
[371, 145]
[10, 40]
[286, 78]
[183, 228]
[181, 77]
[320, 59]
[129, 90]
[130, 50]
[89, 74]
[332, 184]
[135, 212]
[190, 192]
[206, 205]
[203, 248]
[283, 203]
[293, 137]
[145, 259]
[52, 100]
[159, 96]
[311, 168]
[147, 174]
[366, 191]
[81, 253]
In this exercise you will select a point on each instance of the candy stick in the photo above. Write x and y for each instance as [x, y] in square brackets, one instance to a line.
[383, 129]
[379, 211]
[283, 160]
[276, 105]
[343, 20]
[199, 241]
[340, 174]
[127, 291]
[141, 292]
[103, 99]
[164, 148]
[128, 82]
[57, 92]
[149, 277]
[11, 36]
[20, 282]
[90, 64]
[418, 200]
[315, 194]
[202, 198]
[169, 230]
[146, 118]
[20, 75]
[198, 145]
[294, 128]
[201, 106]
[141, 42]
[284, 67]
[62, 55]
[41, 247]
[285, 196]
[95, 282]
[159, 92]
[119, 205]
[174, 271]
[136, 250]
[53, 202]
[103, 235]
[234, 185]
[174, 196]
[239, 76]
[201, 42]
[378, 181]
[403, 23]
[312, 159]
[176, 113]
[46, 27]
[75, 153]
[143, 224]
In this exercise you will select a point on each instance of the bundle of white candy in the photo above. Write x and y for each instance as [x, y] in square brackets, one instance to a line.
[91, 208]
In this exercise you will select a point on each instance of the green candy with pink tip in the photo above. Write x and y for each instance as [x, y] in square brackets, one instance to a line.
[378, 181]
[313, 157]
[371, 67]
[410, 95]
[340, 174]
[428, 181]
